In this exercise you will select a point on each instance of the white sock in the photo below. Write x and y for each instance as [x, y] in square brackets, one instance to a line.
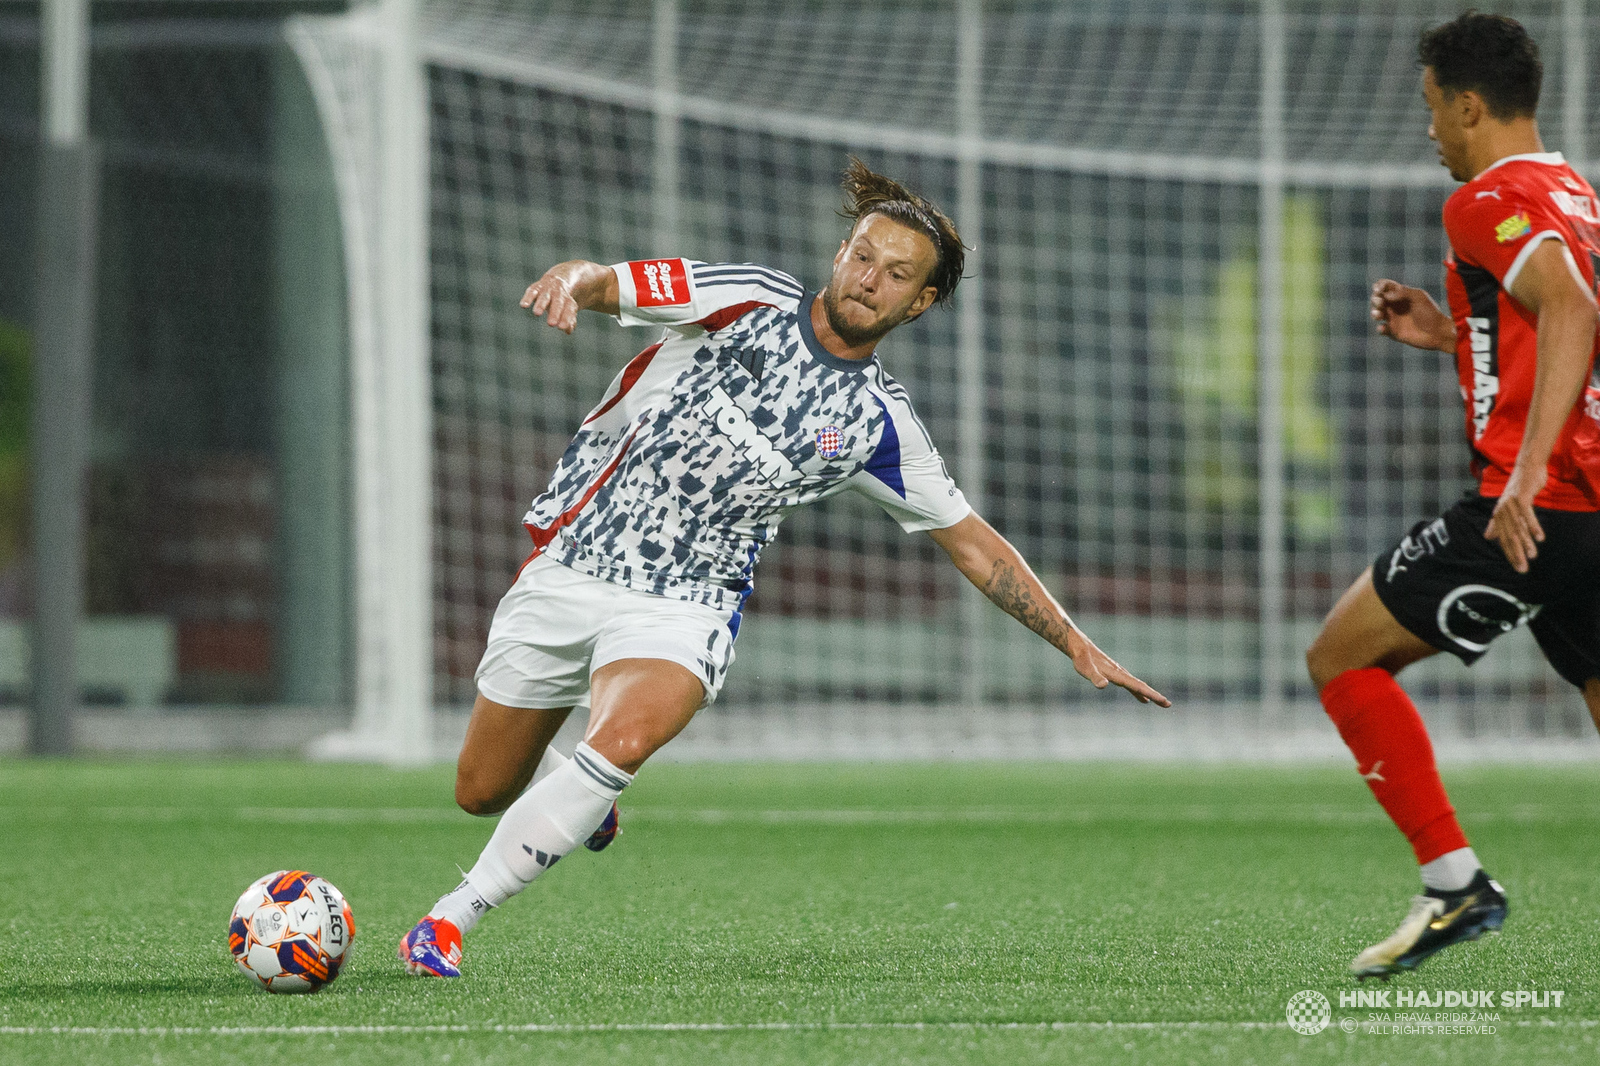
[546, 822]
[464, 906]
[1451, 871]
[553, 760]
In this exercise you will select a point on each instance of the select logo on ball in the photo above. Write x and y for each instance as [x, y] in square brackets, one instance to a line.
[291, 932]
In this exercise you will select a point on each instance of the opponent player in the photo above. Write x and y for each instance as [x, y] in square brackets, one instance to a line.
[1525, 546]
[759, 398]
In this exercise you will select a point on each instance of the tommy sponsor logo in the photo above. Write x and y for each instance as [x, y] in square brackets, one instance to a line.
[1577, 206]
[771, 465]
[1482, 612]
[1485, 378]
[660, 282]
[1414, 546]
[1512, 228]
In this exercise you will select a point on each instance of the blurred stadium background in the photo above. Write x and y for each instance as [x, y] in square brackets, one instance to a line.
[318, 415]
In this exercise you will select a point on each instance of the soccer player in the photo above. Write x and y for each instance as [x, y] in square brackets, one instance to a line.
[1524, 547]
[759, 398]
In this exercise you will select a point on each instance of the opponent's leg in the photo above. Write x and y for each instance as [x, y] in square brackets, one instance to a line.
[1353, 662]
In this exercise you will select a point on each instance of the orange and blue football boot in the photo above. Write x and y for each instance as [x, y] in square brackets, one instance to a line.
[432, 949]
[601, 838]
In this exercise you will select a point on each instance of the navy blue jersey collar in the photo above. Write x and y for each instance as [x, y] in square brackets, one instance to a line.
[821, 354]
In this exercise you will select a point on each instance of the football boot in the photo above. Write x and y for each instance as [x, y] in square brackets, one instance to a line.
[601, 838]
[432, 949]
[1436, 920]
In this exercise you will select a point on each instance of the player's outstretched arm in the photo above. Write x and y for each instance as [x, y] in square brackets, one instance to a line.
[1410, 316]
[1550, 287]
[998, 570]
[570, 287]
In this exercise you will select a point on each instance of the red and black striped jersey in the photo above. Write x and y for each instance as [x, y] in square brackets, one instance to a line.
[1494, 222]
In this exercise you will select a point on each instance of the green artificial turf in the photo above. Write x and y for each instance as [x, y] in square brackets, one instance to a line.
[860, 913]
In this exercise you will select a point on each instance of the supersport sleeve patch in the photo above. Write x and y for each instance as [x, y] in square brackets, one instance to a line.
[660, 282]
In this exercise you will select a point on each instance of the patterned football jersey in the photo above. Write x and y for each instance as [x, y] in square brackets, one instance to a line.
[1494, 223]
[709, 437]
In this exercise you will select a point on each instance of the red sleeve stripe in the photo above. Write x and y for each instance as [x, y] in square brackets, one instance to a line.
[729, 315]
[543, 535]
[630, 377]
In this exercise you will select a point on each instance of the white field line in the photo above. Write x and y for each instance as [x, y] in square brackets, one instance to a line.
[1522, 814]
[693, 1027]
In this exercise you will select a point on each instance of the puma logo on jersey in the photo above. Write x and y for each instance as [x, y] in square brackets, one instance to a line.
[1373, 774]
[1486, 194]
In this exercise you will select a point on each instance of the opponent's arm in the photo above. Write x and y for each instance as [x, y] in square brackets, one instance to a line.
[570, 287]
[990, 562]
[1550, 287]
[1410, 316]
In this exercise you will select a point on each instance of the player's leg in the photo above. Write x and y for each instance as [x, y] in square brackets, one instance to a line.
[637, 706]
[1443, 587]
[1353, 662]
[1591, 696]
[505, 747]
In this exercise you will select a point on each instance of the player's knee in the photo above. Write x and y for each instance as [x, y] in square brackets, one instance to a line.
[1323, 661]
[475, 795]
[626, 750]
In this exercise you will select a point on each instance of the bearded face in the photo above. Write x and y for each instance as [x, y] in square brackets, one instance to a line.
[879, 280]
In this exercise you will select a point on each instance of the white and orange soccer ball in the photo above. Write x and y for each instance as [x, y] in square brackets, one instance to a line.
[291, 932]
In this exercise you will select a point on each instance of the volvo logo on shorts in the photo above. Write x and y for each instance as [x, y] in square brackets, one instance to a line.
[1473, 615]
[829, 441]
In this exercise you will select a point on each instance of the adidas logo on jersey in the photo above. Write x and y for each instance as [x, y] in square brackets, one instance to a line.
[771, 464]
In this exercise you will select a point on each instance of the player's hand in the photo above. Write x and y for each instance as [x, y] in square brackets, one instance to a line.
[554, 298]
[1100, 669]
[1514, 523]
[1410, 316]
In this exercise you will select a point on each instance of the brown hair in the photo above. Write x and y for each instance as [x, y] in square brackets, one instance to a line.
[867, 193]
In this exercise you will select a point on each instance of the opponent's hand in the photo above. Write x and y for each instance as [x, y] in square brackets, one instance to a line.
[554, 297]
[1514, 523]
[1100, 669]
[1410, 316]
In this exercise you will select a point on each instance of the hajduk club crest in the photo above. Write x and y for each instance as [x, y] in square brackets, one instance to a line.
[829, 441]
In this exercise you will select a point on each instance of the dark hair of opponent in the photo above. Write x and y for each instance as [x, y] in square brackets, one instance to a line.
[1490, 54]
[867, 193]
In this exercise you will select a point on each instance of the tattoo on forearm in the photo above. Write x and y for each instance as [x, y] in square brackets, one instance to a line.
[1008, 590]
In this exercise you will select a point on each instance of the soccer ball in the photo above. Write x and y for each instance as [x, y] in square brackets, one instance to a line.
[290, 932]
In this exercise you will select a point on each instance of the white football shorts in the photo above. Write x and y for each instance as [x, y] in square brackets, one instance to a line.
[554, 627]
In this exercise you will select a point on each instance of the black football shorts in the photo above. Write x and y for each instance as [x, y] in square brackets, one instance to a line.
[1452, 588]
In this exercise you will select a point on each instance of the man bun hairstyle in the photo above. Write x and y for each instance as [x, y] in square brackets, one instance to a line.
[867, 193]
[1492, 55]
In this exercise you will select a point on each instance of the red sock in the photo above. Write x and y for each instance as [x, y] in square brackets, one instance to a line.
[1384, 732]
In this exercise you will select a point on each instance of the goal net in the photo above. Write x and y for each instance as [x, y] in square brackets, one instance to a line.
[1159, 382]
